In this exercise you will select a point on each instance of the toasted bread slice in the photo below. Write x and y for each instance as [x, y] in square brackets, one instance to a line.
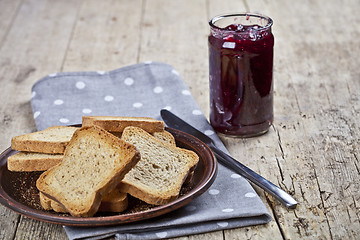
[51, 140]
[157, 178]
[114, 201]
[118, 124]
[94, 162]
[28, 161]
[165, 136]
[49, 204]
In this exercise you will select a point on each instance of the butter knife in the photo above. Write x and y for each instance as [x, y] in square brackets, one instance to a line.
[173, 121]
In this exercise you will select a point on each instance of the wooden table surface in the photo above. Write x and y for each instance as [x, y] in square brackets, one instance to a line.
[313, 148]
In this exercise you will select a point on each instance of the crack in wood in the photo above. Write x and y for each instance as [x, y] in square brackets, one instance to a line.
[282, 153]
[293, 185]
[276, 218]
[327, 195]
[348, 213]
[355, 163]
[322, 202]
[357, 208]
[303, 194]
[299, 224]
[11, 23]
[143, 6]
[347, 186]
[281, 172]
[17, 227]
[71, 35]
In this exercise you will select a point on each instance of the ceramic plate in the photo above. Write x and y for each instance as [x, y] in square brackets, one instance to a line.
[18, 191]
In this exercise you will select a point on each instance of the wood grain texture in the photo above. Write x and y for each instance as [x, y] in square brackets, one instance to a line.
[8, 11]
[314, 121]
[105, 37]
[33, 47]
[312, 149]
[175, 32]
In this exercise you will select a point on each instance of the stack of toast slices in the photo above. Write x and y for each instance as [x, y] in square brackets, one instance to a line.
[93, 168]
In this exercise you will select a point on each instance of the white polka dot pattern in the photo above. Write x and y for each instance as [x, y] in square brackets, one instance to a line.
[186, 92]
[36, 114]
[196, 112]
[109, 98]
[137, 105]
[235, 175]
[86, 110]
[250, 195]
[80, 85]
[222, 224]
[214, 191]
[161, 234]
[175, 72]
[58, 102]
[158, 89]
[227, 210]
[63, 120]
[129, 81]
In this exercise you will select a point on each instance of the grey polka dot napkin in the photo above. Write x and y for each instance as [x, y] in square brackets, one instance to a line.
[143, 90]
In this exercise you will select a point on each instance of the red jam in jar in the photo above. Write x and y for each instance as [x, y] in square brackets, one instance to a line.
[241, 74]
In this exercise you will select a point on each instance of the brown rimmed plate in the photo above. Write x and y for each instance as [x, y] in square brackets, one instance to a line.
[18, 191]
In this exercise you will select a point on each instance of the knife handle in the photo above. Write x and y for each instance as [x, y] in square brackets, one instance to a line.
[255, 178]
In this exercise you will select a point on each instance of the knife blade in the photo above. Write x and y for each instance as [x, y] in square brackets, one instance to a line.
[174, 121]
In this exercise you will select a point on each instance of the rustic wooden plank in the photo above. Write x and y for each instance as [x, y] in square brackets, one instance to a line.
[8, 11]
[260, 154]
[32, 229]
[9, 221]
[218, 7]
[34, 46]
[313, 119]
[337, 128]
[332, 123]
[299, 223]
[175, 32]
[58, 44]
[308, 219]
[289, 147]
[209, 236]
[106, 36]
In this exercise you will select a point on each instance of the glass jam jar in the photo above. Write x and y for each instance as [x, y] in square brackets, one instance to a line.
[241, 74]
